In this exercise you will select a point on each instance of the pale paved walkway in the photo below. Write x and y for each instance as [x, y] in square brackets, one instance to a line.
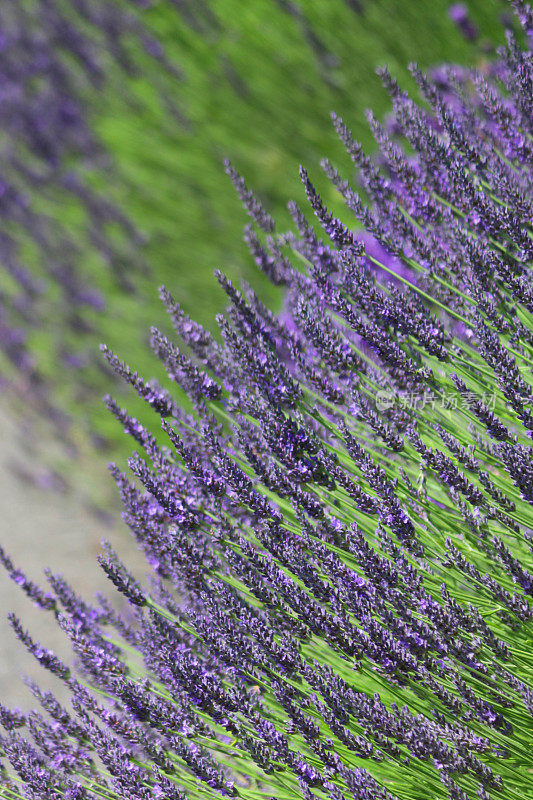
[42, 528]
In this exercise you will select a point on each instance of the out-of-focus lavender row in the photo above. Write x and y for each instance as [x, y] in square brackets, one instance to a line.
[55, 58]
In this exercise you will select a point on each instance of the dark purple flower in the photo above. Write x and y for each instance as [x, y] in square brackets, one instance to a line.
[459, 14]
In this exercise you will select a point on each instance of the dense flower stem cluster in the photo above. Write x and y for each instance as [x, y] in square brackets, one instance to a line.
[340, 527]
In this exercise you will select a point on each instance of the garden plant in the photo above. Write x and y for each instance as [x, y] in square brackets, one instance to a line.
[334, 500]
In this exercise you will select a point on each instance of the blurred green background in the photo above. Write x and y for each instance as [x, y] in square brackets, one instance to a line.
[259, 79]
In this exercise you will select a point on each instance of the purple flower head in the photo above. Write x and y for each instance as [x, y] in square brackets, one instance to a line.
[459, 14]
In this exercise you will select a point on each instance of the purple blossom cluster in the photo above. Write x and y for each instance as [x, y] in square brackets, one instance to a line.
[339, 603]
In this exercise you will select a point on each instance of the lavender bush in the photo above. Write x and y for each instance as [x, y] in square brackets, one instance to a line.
[339, 527]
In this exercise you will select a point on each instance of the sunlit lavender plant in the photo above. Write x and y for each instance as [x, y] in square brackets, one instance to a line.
[340, 529]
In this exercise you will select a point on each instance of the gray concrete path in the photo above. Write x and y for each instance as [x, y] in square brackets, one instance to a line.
[42, 528]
